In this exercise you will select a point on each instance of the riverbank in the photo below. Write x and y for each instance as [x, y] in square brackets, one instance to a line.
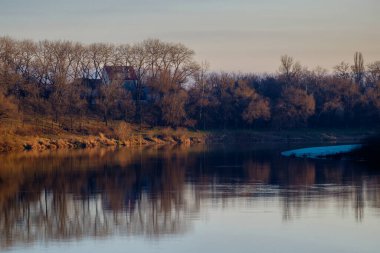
[368, 152]
[45, 134]
[300, 135]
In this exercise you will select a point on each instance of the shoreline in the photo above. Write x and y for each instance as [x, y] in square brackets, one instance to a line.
[42, 143]
[15, 143]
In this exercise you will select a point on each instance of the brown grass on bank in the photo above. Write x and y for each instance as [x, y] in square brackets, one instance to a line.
[40, 133]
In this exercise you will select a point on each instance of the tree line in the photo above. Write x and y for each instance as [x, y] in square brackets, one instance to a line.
[47, 78]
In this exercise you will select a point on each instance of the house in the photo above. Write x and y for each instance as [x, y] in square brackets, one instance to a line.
[120, 75]
[125, 76]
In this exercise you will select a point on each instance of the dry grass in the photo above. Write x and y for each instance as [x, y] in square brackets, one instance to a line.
[39, 133]
[123, 131]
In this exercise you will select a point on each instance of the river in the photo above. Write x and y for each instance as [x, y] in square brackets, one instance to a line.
[181, 199]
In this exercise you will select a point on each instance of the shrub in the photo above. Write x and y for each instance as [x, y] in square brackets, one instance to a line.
[122, 130]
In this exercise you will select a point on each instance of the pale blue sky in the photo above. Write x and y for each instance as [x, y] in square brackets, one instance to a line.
[232, 35]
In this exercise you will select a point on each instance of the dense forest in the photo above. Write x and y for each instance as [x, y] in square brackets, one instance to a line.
[45, 78]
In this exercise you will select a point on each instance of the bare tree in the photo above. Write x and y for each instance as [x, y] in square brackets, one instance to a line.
[101, 55]
[373, 72]
[290, 70]
[200, 81]
[358, 69]
[342, 70]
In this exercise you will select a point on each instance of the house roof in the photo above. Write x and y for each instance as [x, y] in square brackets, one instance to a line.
[124, 73]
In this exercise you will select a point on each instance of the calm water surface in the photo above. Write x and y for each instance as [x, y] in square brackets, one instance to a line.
[177, 199]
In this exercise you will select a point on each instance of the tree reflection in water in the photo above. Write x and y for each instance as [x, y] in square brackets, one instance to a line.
[160, 190]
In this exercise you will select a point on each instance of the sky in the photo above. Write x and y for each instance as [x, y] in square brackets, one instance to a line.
[231, 35]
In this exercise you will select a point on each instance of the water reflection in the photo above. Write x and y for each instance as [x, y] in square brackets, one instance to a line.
[157, 191]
